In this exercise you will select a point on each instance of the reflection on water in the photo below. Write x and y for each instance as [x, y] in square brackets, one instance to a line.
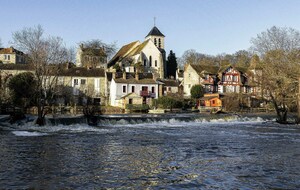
[165, 154]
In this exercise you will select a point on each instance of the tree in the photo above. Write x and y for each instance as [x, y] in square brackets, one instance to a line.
[276, 38]
[280, 77]
[171, 65]
[197, 91]
[46, 56]
[110, 49]
[279, 49]
[22, 88]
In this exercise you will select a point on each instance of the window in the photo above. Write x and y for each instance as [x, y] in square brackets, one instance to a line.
[155, 42]
[145, 62]
[83, 81]
[169, 89]
[124, 89]
[130, 101]
[159, 43]
[213, 102]
[153, 89]
[132, 88]
[7, 57]
[155, 63]
[150, 60]
[75, 81]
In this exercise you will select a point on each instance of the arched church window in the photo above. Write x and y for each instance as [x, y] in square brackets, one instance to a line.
[145, 62]
[155, 42]
[159, 43]
[150, 61]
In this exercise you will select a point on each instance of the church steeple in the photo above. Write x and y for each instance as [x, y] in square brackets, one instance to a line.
[156, 37]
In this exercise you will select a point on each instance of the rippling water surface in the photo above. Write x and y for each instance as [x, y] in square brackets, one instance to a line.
[171, 154]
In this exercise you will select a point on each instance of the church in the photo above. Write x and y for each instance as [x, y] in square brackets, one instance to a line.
[148, 56]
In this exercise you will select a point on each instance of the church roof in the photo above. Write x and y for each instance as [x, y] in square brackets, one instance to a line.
[123, 52]
[155, 32]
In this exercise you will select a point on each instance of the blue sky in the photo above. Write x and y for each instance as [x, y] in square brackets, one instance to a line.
[208, 26]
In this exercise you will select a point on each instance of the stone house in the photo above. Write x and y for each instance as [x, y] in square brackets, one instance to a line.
[11, 56]
[91, 57]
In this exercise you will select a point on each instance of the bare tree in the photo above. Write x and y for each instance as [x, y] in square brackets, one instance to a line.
[110, 49]
[276, 38]
[46, 56]
[279, 50]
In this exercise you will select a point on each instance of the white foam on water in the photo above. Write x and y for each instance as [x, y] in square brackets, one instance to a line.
[28, 134]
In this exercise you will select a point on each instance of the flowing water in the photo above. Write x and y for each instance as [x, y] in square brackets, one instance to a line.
[165, 153]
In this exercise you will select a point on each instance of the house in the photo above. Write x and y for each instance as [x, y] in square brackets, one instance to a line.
[148, 56]
[211, 101]
[83, 85]
[128, 89]
[11, 56]
[195, 74]
[171, 86]
[233, 80]
[91, 57]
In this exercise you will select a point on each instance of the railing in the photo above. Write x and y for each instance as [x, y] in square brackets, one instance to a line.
[147, 94]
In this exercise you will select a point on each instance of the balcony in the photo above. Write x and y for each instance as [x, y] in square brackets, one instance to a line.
[147, 94]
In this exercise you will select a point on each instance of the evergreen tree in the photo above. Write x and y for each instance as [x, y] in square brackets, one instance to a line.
[171, 65]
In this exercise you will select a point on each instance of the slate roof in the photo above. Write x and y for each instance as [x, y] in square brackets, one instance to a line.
[173, 83]
[134, 81]
[83, 72]
[155, 32]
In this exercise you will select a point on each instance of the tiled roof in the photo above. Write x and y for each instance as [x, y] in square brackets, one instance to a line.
[10, 50]
[155, 32]
[123, 52]
[15, 67]
[205, 68]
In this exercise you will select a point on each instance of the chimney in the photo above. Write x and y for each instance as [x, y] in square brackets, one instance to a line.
[124, 75]
[137, 76]
[113, 73]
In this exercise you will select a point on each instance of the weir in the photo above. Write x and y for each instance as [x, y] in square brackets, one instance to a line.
[103, 120]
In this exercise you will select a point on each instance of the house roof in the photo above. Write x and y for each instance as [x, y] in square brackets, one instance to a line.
[205, 69]
[173, 83]
[155, 32]
[94, 51]
[83, 72]
[10, 50]
[15, 67]
[134, 81]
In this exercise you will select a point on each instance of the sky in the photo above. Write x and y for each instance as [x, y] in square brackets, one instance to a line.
[207, 26]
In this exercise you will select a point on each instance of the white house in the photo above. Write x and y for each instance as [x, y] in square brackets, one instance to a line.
[132, 90]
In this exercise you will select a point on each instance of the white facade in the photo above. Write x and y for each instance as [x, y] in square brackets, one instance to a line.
[119, 90]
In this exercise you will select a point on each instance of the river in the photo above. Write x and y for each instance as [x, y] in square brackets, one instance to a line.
[170, 153]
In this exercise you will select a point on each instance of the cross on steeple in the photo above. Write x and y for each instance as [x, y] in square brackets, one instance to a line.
[154, 20]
